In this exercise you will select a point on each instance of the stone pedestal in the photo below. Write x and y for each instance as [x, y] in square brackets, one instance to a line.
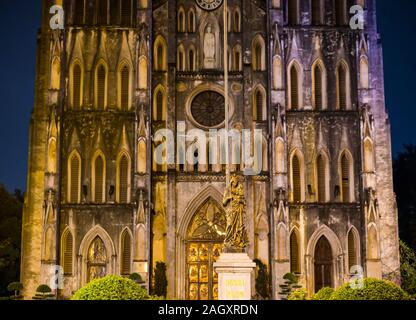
[235, 272]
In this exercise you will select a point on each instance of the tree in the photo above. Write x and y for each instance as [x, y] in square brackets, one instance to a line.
[408, 268]
[15, 287]
[404, 170]
[161, 283]
[262, 280]
[289, 285]
[10, 236]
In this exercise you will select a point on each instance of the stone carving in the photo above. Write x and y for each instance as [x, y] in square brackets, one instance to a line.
[235, 204]
[209, 48]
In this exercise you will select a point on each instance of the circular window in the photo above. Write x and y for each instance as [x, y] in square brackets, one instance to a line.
[208, 109]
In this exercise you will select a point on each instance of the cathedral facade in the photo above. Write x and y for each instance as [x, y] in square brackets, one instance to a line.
[321, 204]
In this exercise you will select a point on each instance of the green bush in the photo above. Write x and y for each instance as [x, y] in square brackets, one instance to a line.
[299, 294]
[373, 289]
[43, 288]
[323, 294]
[262, 280]
[111, 288]
[15, 287]
[136, 277]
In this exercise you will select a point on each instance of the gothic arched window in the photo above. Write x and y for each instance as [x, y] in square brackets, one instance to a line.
[159, 105]
[259, 101]
[345, 172]
[125, 262]
[76, 86]
[79, 12]
[318, 86]
[321, 178]
[102, 12]
[352, 250]
[126, 9]
[101, 87]
[342, 86]
[237, 20]
[294, 87]
[99, 179]
[316, 12]
[191, 21]
[296, 179]
[125, 88]
[123, 179]
[294, 253]
[67, 252]
[340, 12]
[160, 54]
[97, 259]
[181, 20]
[74, 178]
[292, 12]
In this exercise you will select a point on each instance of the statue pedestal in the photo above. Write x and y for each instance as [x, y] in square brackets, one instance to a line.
[235, 271]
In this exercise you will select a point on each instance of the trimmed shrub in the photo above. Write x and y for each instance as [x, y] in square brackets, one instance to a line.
[262, 280]
[373, 289]
[136, 277]
[323, 294]
[43, 292]
[299, 294]
[15, 287]
[111, 288]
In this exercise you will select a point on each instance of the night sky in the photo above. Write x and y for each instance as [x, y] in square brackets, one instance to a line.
[19, 22]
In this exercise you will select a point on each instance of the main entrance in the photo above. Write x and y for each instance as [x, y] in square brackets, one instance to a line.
[323, 264]
[204, 244]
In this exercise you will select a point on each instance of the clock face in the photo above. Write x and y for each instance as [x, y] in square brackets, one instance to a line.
[209, 5]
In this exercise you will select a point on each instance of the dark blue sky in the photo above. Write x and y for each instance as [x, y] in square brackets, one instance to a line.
[19, 22]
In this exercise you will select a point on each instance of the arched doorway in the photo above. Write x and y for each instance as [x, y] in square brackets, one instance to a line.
[203, 247]
[324, 264]
[97, 260]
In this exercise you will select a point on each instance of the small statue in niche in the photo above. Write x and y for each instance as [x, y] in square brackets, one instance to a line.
[209, 48]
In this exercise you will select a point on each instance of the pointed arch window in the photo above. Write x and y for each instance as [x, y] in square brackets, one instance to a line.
[340, 12]
[317, 12]
[191, 21]
[123, 179]
[76, 86]
[258, 51]
[259, 101]
[292, 12]
[101, 86]
[102, 12]
[296, 179]
[99, 179]
[126, 9]
[321, 178]
[345, 178]
[74, 178]
[191, 59]
[79, 12]
[181, 20]
[342, 86]
[237, 21]
[294, 87]
[352, 250]
[181, 59]
[125, 265]
[318, 87]
[160, 54]
[294, 254]
[125, 88]
[159, 105]
[67, 252]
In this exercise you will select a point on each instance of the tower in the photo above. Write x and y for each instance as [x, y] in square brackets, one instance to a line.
[144, 80]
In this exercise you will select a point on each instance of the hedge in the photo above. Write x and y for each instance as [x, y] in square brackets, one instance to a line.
[323, 294]
[373, 289]
[112, 288]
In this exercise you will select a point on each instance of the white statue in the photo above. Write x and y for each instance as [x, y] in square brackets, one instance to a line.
[209, 48]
